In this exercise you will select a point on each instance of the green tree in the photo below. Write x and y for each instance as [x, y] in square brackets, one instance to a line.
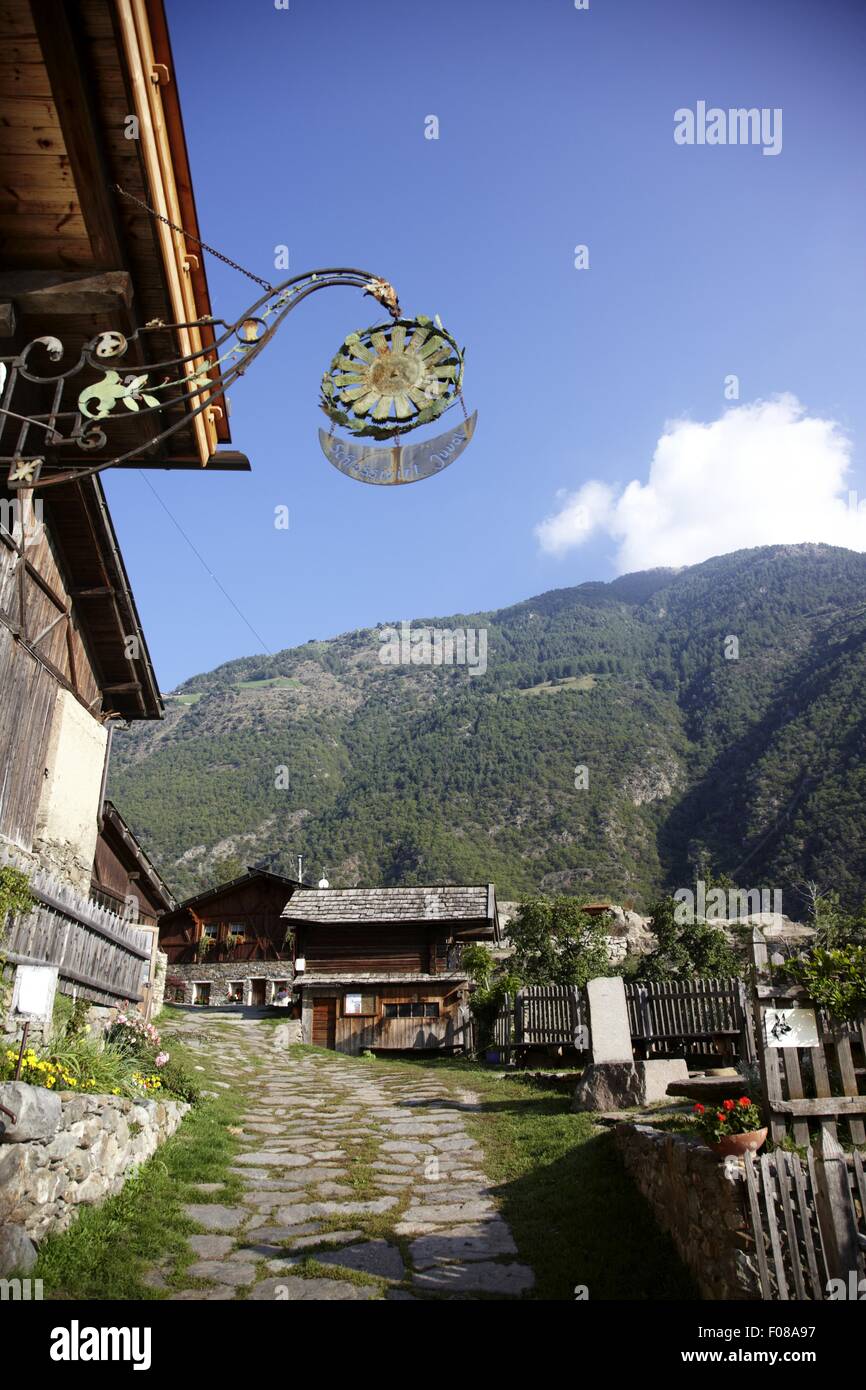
[834, 979]
[492, 983]
[684, 949]
[557, 943]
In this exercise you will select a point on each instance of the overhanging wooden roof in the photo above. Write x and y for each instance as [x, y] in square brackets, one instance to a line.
[74, 257]
[113, 821]
[78, 520]
[433, 903]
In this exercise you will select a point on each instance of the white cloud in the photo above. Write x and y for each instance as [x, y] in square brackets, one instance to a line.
[762, 474]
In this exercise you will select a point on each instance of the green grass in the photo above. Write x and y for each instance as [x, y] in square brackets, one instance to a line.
[109, 1249]
[565, 683]
[270, 681]
[575, 1214]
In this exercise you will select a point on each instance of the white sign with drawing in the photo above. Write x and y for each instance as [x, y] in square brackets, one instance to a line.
[35, 987]
[791, 1028]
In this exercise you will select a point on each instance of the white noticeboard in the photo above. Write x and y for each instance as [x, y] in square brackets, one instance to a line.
[791, 1028]
[35, 987]
[352, 1004]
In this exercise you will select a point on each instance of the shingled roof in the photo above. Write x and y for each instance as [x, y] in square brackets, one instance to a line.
[434, 903]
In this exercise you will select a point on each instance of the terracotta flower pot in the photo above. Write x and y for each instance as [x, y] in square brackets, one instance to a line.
[740, 1144]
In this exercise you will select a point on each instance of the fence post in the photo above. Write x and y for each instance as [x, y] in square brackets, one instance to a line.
[518, 1018]
[747, 1047]
[768, 1057]
[836, 1220]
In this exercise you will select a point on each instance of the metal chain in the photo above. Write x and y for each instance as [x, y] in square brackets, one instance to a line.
[203, 244]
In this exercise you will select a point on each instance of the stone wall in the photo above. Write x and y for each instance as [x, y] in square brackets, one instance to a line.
[67, 1151]
[157, 994]
[180, 979]
[700, 1201]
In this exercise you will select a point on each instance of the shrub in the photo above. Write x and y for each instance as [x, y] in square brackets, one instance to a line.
[685, 949]
[834, 979]
[557, 943]
[15, 895]
[180, 1083]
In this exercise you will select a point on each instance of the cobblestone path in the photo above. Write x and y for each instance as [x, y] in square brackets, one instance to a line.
[346, 1167]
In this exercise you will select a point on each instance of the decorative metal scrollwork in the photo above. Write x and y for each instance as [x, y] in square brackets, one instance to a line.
[383, 382]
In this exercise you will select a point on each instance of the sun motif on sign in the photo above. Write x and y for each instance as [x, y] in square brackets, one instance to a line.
[388, 379]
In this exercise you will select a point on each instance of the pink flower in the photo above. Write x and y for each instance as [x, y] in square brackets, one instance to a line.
[161, 1059]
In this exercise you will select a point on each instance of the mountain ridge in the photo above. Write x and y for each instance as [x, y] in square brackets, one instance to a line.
[754, 762]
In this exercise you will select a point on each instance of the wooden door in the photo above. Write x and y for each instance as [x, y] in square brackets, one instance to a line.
[257, 995]
[325, 1023]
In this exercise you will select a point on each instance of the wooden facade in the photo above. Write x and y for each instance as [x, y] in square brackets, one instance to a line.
[241, 922]
[123, 875]
[379, 968]
[77, 260]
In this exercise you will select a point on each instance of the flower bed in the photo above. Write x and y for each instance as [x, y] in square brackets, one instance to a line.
[126, 1059]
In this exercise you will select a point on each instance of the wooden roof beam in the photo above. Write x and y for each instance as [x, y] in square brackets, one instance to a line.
[146, 76]
[56, 24]
[66, 292]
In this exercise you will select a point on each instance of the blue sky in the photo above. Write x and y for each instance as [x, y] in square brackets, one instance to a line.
[306, 128]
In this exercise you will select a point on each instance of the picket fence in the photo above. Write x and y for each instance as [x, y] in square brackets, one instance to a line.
[99, 955]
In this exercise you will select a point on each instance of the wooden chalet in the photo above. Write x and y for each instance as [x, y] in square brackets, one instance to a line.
[230, 943]
[381, 967]
[76, 260]
[124, 879]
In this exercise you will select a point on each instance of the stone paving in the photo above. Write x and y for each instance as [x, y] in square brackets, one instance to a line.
[346, 1168]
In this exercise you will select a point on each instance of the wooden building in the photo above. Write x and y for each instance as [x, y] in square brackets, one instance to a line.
[77, 80]
[230, 943]
[380, 968]
[124, 879]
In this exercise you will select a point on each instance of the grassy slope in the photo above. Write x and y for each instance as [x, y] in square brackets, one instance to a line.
[110, 1247]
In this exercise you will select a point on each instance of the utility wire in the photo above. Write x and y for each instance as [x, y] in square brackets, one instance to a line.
[205, 565]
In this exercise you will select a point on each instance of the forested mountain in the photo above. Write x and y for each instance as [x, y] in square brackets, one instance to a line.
[718, 710]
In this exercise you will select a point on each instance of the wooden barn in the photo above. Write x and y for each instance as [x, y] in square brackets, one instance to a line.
[380, 968]
[230, 943]
[77, 260]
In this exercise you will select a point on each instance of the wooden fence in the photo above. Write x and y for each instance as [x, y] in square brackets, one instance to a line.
[807, 1218]
[807, 1084]
[538, 1016]
[99, 955]
[705, 1017]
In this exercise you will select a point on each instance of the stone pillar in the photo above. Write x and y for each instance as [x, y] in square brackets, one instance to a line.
[609, 1031]
[613, 1080]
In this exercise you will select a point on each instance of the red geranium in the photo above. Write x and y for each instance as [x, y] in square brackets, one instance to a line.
[731, 1117]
